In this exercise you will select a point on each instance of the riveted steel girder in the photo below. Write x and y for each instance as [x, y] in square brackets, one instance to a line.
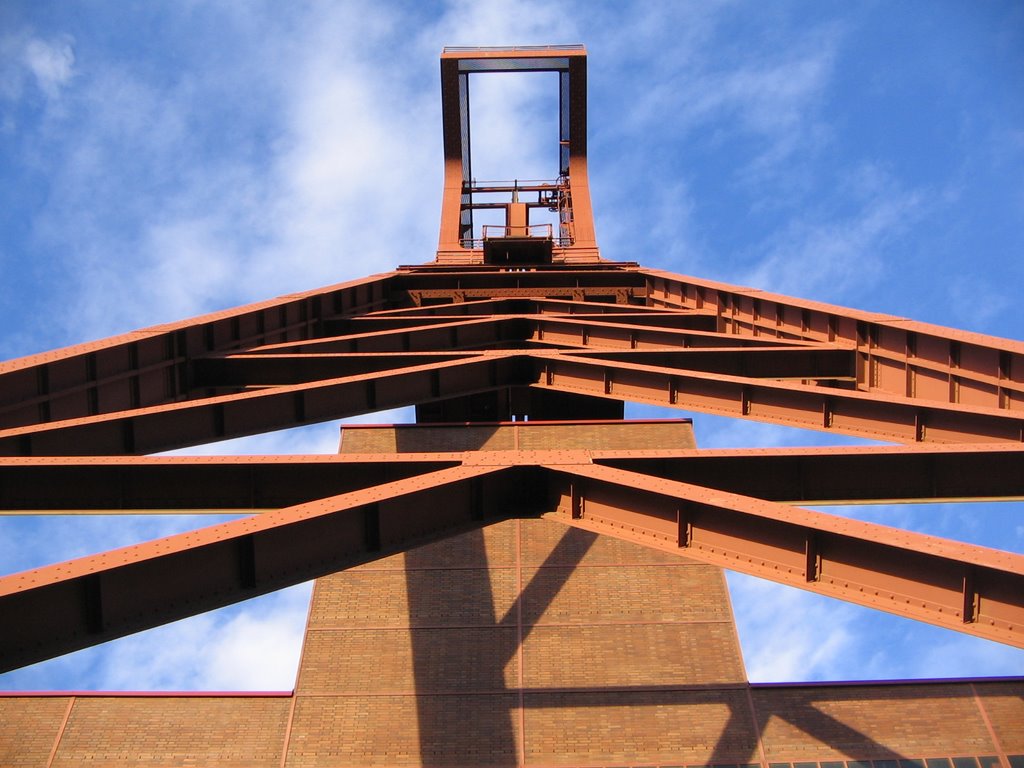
[604, 331]
[60, 608]
[353, 508]
[974, 589]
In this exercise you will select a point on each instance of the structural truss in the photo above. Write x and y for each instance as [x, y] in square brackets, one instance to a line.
[521, 323]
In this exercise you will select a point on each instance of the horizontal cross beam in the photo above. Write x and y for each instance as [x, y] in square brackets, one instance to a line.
[917, 473]
[59, 608]
[843, 475]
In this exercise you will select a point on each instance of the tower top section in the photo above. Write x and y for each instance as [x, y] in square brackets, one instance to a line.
[567, 234]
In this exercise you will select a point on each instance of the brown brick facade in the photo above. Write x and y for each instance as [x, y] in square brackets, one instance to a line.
[525, 642]
[870, 722]
[522, 436]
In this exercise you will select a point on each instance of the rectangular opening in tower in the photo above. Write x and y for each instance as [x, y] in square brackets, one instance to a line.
[515, 126]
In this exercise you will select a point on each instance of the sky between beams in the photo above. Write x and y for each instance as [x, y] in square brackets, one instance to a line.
[166, 159]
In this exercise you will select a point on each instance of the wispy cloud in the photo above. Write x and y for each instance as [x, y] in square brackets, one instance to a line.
[264, 163]
[792, 635]
[836, 255]
[249, 647]
[774, 621]
[28, 61]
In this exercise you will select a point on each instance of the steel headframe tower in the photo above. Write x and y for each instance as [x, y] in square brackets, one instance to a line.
[518, 345]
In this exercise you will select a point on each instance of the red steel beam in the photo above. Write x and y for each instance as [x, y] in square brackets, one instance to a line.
[622, 295]
[603, 331]
[534, 305]
[696, 321]
[245, 370]
[842, 475]
[958, 586]
[791, 475]
[60, 608]
[106, 484]
[163, 427]
[238, 370]
[425, 336]
[897, 356]
[148, 366]
[870, 415]
[775, 363]
[538, 281]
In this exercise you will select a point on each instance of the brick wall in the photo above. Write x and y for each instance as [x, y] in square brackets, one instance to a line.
[871, 722]
[222, 731]
[523, 641]
[525, 436]
[29, 728]
[523, 638]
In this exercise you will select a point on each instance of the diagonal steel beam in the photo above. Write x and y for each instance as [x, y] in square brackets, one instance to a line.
[797, 363]
[872, 415]
[247, 370]
[60, 608]
[697, 321]
[959, 586]
[86, 601]
[163, 427]
[428, 334]
[518, 306]
[251, 369]
[595, 332]
[148, 366]
[897, 356]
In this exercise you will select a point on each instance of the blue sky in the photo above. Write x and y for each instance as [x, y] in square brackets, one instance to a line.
[164, 159]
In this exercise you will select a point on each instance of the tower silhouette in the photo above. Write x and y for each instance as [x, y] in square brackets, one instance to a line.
[523, 576]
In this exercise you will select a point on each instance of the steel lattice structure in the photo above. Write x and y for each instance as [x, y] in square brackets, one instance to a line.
[524, 323]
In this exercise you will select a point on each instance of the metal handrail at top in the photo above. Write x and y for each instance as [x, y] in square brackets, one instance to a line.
[516, 185]
[538, 231]
[499, 48]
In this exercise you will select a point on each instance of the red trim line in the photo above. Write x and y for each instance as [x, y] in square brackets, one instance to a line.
[908, 681]
[148, 694]
[537, 423]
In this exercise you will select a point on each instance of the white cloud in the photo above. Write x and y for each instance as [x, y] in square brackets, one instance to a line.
[51, 63]
[331, 169]
[48, 64]
[834, 257]
[253, 646]
[791, 635]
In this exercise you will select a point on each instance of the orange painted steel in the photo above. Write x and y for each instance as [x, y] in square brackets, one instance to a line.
[959, 586]
[808, 476]
[569, 193]
[59, 608]
[570, 338]
[359, 510]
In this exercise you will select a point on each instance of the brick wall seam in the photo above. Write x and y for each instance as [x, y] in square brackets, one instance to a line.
[1000, 752]
[60, 732]
[756, 720]
[288, 730]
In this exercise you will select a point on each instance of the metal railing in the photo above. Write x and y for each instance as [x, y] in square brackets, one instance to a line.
[500, 231]
[498, 48]
[537, 231]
